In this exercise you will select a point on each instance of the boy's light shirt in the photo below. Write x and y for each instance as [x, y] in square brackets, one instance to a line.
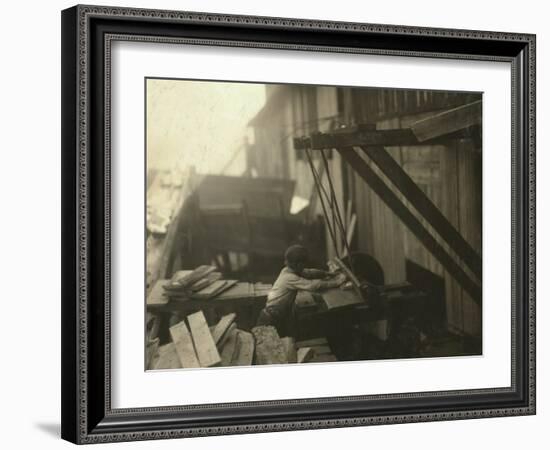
[288, 283]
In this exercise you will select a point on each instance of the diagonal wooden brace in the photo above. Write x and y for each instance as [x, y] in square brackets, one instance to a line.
[411, 221]
[422, 203]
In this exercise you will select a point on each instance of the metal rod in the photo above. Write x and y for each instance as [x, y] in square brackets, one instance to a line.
[314, 173]
[338, 215]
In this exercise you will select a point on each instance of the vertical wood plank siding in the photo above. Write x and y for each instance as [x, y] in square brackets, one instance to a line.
[449, 174]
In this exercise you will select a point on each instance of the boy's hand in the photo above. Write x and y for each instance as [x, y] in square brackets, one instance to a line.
[339, 279]
[332, 267]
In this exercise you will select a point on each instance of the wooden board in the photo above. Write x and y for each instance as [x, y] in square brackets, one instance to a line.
[448, 121]
[157, 296]
[229, 348]
[244, 353]
[180, 297]
[174, 281]
[214, 289]
[269, 346]
[312, 342]
[290, 346]
[339, 298]
[304, 354]
[205, 346]
[206, 281]
[351, 276]
[239, 290]
[167, 357]
[184, 345]
[185, 278]
[226, 335]
[180, 274]
[222, 327]
[321, 350]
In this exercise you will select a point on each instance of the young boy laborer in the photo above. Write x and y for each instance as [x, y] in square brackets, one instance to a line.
[279, 309]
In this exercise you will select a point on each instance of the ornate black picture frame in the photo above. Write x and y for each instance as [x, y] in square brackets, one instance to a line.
[87, 34]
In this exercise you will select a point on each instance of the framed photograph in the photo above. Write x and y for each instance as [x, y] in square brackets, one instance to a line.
[281, 224]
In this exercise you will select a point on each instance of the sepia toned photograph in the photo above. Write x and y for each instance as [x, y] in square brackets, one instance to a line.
[300, 224]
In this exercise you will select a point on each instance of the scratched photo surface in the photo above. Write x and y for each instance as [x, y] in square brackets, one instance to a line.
[301, 224]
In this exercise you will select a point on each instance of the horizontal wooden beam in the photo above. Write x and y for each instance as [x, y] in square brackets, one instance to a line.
[422, 203]
[448, 122]
[411, 221]
[370, 137]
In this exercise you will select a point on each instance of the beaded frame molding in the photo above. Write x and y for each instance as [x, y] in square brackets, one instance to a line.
[87, 35]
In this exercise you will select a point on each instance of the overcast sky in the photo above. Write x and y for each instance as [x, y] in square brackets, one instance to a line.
[198, 123]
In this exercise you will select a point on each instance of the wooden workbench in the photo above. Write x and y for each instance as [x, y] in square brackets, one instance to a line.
[245, 299]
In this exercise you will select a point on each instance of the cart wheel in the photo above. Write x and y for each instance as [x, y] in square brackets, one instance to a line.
[366, 268]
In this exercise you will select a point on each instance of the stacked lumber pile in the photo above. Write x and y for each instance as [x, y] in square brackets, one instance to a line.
[202, 283]
[195, 344]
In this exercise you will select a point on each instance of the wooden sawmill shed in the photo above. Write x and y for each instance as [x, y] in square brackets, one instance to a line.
[448, 171]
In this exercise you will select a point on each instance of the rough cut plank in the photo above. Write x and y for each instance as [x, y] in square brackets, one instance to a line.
[206, 281]
[214, 289]
[167, 358]
[226, 335]
[245, 349]
[448, 121]
[312, 342]
[185, 278]
[204, 344]
[180, 274]
[184, 345]
[238, 290]
[199, 273]
[179, 296]
[157, 297]
[304, 354]
[349, 274]
[230, 348]
[321, 349]
[269, 346]
[339, 298]
[290, 346]
[222, 326]
[174, 281]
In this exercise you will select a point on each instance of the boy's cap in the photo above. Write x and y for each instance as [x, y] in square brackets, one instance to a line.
[296, 254]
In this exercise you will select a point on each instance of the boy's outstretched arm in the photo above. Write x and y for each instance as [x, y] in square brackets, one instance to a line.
[314, 274]
[304, 284]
